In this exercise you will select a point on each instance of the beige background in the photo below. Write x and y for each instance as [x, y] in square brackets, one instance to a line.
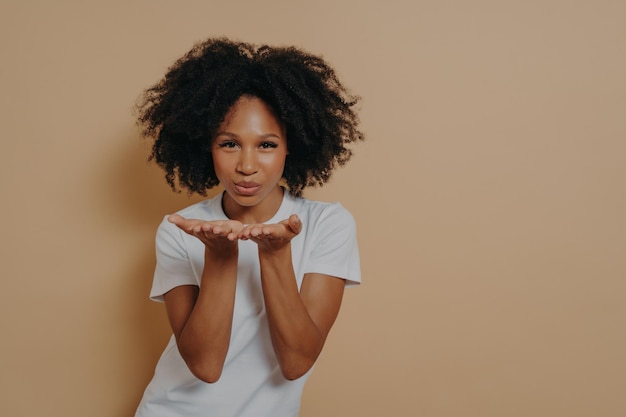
[489, 196]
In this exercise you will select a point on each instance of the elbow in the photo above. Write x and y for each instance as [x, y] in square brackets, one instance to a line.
[296, 370]
[295, 363]
[207, 374]
[208, 377]
[292, 376]
[205, 369]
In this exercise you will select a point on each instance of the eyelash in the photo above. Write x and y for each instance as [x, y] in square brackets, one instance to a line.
[269, 145]
[227, 144]
[233, 144]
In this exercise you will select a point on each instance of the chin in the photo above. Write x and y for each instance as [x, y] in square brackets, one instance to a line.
[246, 200]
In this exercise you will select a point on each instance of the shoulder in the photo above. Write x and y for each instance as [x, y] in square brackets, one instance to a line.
[325, 218]
[205, 209]
[320, 211]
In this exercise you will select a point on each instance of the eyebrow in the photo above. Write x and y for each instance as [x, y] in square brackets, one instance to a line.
[263, 136]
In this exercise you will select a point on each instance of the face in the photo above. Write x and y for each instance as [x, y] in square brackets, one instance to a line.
[249, 153]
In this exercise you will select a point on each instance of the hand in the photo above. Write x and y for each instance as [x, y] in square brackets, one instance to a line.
[271, 237]
[215, 234]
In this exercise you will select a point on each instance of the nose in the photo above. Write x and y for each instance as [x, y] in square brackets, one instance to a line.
[247, 164]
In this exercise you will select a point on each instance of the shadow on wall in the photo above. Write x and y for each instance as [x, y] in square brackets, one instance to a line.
[138, 196]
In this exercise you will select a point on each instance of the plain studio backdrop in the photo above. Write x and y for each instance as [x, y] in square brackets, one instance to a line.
[490, 200]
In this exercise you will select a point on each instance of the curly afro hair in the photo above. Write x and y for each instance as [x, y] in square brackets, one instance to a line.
[182, 112]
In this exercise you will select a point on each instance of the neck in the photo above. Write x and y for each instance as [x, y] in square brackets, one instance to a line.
[259, 213]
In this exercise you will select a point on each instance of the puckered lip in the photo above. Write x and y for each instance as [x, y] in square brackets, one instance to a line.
[247, 188]
[247, 184]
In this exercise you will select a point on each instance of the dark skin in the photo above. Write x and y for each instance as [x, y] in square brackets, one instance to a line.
[249, 154]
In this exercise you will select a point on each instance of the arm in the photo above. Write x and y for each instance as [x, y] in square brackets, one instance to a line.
[201, 318]
[299, 321]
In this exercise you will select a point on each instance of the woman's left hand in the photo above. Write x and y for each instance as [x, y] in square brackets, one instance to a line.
[271, 237]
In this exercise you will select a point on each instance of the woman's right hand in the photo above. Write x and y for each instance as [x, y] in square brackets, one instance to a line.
[218, 235]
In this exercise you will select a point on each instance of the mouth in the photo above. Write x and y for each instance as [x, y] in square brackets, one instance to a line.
[247, 188]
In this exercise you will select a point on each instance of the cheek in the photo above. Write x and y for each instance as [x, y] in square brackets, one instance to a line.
[220, 166]
[276, 165]
[275, 160]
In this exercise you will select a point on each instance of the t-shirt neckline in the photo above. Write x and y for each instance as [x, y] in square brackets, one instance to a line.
[284, 210]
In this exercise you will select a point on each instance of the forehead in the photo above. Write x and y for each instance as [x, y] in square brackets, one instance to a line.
[251, 111]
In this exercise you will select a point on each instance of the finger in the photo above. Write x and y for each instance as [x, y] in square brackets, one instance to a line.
[246, 231]
[172, 218]
[227, 231]
[186, 225]
[176, 219]
[244, 234]
[295, 224]
[208, 234]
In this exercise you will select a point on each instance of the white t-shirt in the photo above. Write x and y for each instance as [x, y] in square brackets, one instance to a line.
[251, 384]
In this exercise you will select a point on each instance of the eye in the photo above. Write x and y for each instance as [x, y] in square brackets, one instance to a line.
[229, 144]
[268, 145]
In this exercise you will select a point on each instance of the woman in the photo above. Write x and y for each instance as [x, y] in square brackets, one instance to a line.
[253, 278]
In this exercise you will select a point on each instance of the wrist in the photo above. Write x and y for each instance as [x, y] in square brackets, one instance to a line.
[222, 255]
[275, 254]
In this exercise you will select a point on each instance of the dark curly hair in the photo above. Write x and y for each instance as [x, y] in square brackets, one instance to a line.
[183, 111]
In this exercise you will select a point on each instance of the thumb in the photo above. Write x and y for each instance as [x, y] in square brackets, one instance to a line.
[295, 224]
[176, 219]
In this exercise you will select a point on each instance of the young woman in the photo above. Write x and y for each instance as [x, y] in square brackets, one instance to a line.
[253, 278]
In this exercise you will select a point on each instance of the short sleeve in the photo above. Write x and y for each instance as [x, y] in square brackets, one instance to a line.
[173, 267]
[335, 250]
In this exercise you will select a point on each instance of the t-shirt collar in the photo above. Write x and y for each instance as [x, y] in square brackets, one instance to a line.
[284, 211]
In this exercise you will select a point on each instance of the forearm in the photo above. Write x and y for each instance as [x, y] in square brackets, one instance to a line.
[296, 339]
[203, 341]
